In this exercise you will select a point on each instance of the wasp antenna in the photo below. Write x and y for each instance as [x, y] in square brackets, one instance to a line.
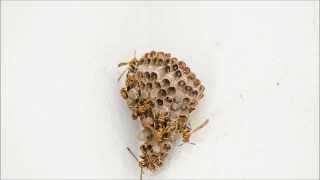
[192, 143]
[122, 75]
[141, 171]
[200, 126]
[122, 64]
[132, 154]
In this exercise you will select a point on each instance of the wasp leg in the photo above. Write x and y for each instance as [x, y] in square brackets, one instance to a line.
[122, 64]
[135, 157]
[195, 130]
[200, 126]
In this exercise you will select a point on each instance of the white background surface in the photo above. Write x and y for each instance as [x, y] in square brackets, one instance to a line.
[62, 116]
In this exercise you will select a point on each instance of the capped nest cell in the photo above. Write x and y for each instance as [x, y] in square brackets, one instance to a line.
[161, 92]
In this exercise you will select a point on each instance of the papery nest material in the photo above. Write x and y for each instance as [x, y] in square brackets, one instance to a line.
[161, 92]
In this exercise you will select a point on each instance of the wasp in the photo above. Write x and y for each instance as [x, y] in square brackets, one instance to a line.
[132, 66]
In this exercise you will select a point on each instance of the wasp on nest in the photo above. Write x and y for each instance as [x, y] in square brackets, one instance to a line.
[161, 92]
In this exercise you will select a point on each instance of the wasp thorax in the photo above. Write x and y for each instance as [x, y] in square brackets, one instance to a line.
[161, 91]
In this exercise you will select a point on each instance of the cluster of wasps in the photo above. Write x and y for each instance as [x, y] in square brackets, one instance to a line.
[161, 92]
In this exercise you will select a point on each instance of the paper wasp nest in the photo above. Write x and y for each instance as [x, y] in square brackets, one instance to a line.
[161, 92]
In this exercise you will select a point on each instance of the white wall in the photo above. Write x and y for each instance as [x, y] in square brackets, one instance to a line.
[62, 116]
